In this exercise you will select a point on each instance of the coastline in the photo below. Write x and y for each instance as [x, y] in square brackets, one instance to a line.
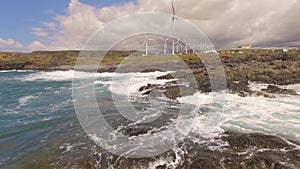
[245, 150]
[276, 68]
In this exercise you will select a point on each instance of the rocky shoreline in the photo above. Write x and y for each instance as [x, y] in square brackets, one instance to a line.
[270, 68]
[275, 70]
[231, 151]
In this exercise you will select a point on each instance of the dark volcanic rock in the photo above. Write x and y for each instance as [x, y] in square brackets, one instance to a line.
[246, 151]
[244, 141]
[272, 89]
[243, 151]
[13, 65]
[147, 89]
[150, 70]
[173, 92]
[275, 89]
[107, 69]
[135, 131]
[238, 87]
[167, 77]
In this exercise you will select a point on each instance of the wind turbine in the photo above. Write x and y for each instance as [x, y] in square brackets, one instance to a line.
[173, 26]
[177, 45]
[146, 44]
[173, 47]
[186, 47]
[165, 44]
[193, 47]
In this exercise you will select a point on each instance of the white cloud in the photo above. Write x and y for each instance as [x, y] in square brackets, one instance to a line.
[40, 32]
[36, 45]
[263, 23]
[227, 23]
[50, 25]
[10, 44]
[76, 27]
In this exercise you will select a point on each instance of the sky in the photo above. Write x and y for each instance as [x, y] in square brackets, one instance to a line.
[67, 24]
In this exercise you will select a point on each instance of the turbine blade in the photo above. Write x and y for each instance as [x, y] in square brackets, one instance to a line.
[173, 9]
[144, 42]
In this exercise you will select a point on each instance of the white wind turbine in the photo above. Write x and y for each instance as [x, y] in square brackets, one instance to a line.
[177, 45]
[193, 47]
[146, 44]
[173, 47]
[186, 47]
[173, 26]
[165, 44]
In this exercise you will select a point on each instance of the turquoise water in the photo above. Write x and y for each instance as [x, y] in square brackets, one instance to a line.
[38, 122]
[31, 112]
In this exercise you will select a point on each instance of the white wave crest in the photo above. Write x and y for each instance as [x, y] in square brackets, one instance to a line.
[23, 100]
[6, 71]
[51, 76]
[280, 116]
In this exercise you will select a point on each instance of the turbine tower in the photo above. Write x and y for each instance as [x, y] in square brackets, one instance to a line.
[186, 47]
[165, 44]
[193, 48]
[173, 47]
[173, 26]
[177, 45]
[146, 44]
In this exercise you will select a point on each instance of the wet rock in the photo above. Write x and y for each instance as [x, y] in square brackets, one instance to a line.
[107, 69]
[85, 164]
[146, 90]
[136, 131]
[277, 90]
[240, 87]
[173, 92]
[149, 86]
[243, 141]
[239, 151]
[167, 77]
[271, 89]
[245, 151]
[162, 167]
[150, 70]
[288, 91]
[229, 64]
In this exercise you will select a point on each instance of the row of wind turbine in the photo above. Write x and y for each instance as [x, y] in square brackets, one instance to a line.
[175, 45]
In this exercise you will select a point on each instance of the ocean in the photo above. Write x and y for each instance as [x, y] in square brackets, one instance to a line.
[39, 127]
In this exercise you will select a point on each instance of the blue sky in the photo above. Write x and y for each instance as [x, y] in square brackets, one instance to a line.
[18, 17]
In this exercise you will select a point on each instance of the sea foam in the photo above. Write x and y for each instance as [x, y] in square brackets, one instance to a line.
[280, 116]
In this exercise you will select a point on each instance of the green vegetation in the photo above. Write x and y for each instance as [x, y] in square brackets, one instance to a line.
[41, 60]
[45, 60]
